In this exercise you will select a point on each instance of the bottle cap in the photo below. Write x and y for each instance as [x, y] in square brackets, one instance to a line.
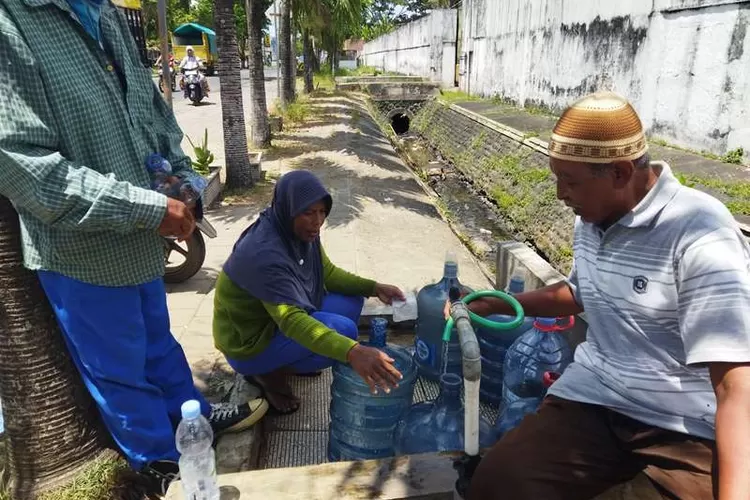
[190, 409]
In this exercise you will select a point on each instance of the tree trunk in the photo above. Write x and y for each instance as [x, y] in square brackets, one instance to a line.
[260, 131]
[316, 62]
[239, 173]
[51, 423]
[292, 55]
[285, 50]
[309, 55]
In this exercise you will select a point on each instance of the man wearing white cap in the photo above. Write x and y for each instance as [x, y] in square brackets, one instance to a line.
[662, 383]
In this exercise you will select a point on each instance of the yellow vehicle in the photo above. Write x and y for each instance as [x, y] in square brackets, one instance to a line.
[203, 41]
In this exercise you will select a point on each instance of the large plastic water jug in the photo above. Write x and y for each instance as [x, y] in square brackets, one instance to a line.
[541, 349]
[438, 425]
[512, 414]
[428, 341]
[363, 424]
[494, 344]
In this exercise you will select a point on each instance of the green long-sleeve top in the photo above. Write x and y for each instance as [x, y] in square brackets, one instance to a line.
[244, 325]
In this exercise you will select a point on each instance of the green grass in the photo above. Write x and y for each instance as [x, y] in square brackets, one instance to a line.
[737, 192]
[295, 113]
[451, 96]
[734, 157]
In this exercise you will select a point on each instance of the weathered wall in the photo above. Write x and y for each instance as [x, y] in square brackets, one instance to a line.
[516, 177]
[426, 47]
[682, 62]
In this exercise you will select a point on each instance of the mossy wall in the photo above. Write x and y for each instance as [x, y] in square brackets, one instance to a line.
[515, 177]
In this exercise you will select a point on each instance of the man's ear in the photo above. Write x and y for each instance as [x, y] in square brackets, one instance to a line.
[622, 172]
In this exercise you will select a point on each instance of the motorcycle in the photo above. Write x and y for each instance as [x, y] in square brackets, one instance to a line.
[192, 85]
[192, 251]
[173, 78]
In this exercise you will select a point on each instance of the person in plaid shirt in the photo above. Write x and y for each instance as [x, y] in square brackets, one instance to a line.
[79, 114]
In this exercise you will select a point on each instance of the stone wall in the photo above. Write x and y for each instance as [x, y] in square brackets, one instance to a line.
[426, 47]
[683, 63]
[514, 176]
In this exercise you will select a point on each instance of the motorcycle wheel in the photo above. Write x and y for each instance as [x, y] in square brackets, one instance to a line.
[161, 84]
[191, 254]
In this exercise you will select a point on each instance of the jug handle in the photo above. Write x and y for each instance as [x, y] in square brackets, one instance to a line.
[569, 324]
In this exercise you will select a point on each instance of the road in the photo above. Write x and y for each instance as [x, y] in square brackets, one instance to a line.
[194, 120]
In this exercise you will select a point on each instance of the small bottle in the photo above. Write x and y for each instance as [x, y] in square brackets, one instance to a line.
[191, 189]
[160, 170]
[197, 459]
[516, 285]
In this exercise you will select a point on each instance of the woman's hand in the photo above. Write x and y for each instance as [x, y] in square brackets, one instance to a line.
[375, 367]
[387, 293]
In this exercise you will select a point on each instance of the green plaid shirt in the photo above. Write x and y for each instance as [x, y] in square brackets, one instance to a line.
[77, 121]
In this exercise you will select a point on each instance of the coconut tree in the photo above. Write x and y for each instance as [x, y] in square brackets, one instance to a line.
[287, 69]
[51, 422]
[260, 131]
[238, 170]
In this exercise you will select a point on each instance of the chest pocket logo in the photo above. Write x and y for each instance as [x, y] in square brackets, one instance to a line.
[640, 284]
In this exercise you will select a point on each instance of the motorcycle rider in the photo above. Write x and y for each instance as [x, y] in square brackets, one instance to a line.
[191, 62]
[157, 65]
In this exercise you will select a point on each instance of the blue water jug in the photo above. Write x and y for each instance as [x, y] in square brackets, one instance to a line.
[513, 413]
[438, 425]
[363, 424]
[541, 349]
[428, 341]
[494, 344]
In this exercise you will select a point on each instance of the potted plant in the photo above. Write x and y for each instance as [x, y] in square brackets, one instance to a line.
[202, 165]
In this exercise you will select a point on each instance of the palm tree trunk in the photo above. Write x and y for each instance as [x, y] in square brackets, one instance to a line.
[292, 54]
[260, 131]
[51, 422]
[309, 56]
[239, 173]
[285, 52]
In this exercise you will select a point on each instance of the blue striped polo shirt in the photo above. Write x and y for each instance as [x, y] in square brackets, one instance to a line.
[666, 290]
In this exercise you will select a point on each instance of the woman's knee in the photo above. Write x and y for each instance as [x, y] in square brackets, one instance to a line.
[341, 324]
[502, 473]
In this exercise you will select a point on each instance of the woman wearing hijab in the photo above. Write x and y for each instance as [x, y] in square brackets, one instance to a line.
[282, 308]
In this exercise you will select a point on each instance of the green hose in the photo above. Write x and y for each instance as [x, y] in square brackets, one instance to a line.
[486, 323]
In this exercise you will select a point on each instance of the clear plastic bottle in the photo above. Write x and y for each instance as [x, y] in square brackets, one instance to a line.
[363, 424]
[438, 426]
[541, 349]
[160, 171]
[514, 413]
[197, 458]
[428, 341]
[191, 189]
[185, 188]
[495, 343]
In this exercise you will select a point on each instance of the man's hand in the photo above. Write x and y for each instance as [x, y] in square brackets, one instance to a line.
[387, 293]
[375, 367]
[178, 222]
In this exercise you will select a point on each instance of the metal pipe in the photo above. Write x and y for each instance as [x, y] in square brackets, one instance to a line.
[166, 74]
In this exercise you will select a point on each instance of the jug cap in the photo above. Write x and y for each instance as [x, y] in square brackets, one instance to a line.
[552, 324]
[190, 409]
[550, 378]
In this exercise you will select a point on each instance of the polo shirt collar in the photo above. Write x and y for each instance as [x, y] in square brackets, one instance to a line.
[656, 199]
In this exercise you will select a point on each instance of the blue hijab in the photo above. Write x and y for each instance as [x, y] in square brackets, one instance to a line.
[269, 261]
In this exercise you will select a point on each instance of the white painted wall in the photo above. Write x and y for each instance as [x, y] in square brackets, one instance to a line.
[685, 64]
[426, 47]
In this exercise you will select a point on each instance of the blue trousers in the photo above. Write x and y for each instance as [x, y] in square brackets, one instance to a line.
[339, 312]
[120, 341]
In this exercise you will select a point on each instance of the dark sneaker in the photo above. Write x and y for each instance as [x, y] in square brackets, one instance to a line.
[227, 417]
[159, 475]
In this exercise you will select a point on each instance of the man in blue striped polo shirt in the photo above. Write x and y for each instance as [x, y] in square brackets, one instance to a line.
[662, 383]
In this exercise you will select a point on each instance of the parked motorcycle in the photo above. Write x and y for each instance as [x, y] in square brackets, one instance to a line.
[184, 259]
[192, 85]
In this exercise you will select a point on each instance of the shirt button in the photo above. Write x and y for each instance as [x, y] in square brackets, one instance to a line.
[110, 67]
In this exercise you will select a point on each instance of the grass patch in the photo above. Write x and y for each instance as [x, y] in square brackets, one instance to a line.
[734, 157]
[452, 96]
[261, 192]
[738, 192]
[295, 113]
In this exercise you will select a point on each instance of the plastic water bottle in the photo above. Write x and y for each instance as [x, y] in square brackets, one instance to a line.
[186, 188]
[428, 341]
[542, 349]
[363, 425]
[197, 458]
[438, 426]
[494, 344]
[514, 413]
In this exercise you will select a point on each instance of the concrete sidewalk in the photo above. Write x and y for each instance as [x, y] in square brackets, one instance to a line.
[728, 182]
